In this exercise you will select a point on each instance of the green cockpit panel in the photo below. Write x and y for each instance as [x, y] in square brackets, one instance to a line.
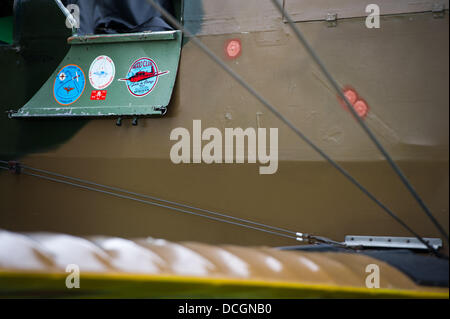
[110, 75]
[6, 30]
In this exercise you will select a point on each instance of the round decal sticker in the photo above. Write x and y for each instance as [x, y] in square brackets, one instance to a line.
[69, 84]
[102, 72]
[142, 77]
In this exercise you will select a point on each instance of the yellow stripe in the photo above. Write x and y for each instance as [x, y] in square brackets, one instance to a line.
[135, 285]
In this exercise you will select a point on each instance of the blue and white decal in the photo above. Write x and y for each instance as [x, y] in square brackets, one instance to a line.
[69, 84]
[102, 72]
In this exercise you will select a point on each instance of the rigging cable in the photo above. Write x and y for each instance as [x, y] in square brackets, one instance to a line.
[151, 203]
[280, 116]
[302, 237]
[153, 198]
[361, 122]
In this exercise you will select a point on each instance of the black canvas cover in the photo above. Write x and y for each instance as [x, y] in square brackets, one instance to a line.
[422, 269]
[120, 16]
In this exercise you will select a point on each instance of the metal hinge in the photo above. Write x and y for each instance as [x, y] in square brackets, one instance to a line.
[391, 242]
[15, 167]
[10, 113]
[162, 109]
[331, 20]
[438, 10]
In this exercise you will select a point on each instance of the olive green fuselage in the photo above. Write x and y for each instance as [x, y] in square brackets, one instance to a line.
[401, 70]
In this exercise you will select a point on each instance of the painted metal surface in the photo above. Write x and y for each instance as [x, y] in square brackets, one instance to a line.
[124, 37]
[401, 70]
[311, 10]
[146, 66]
[235, 16]
[112, 266]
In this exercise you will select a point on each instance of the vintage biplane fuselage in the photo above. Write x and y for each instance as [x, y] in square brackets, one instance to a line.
[400, 70]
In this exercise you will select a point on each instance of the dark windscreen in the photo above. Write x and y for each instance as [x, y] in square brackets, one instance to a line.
[120, 16]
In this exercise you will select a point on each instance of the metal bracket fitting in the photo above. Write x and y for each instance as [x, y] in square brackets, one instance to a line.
[10, 113]
[15, 167]
[438, 10]
[391, 242]
[303, 237]
[331, 20]
[162, 109]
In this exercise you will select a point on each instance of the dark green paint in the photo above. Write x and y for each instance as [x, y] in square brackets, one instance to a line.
[162, 47]
[36, 52]
[25, 65]
[6, 30]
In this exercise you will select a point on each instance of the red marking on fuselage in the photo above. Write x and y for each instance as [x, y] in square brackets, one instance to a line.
[142, 75]
[233, 48]
[359, 105]
[68, 89]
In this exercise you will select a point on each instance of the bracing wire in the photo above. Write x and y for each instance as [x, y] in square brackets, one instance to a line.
[180, 210]
[121, 190]
[283, 119]
[302, 237]
[360, 121]
[269, 106]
